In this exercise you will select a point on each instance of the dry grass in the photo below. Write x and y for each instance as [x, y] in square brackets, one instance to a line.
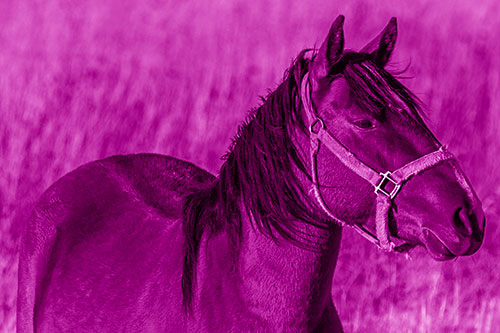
[84, 80]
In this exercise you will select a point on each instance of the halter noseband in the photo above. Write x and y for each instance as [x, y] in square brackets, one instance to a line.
[386, 184]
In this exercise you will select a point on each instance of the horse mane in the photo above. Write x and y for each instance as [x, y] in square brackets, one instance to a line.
[259, 169]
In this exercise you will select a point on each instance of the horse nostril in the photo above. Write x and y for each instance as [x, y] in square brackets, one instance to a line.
[462, 222]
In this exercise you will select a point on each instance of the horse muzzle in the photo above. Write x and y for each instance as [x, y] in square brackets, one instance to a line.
[462, 239]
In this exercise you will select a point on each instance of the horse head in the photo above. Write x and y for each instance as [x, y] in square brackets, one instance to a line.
[361, 118]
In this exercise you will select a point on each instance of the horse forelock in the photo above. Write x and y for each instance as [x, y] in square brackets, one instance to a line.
[377, 90]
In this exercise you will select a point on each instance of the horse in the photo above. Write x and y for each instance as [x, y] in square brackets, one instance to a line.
[151, 243]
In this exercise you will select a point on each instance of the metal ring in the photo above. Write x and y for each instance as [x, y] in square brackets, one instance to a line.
[316, 121]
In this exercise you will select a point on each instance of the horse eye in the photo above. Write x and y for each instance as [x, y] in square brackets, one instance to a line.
[364, 124]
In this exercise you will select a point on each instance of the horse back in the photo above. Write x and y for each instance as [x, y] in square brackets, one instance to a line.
[103, 249]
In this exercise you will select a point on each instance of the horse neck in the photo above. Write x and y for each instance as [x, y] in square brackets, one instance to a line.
[277, 280]
[281, 278]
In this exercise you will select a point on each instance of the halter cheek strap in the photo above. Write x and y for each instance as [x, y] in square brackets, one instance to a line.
[386, 184]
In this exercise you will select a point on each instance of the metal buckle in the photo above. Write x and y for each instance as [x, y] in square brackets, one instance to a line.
[313, 125]
[386, 178]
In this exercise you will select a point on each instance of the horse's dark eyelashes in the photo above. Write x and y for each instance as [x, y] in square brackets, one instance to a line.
[364, 124]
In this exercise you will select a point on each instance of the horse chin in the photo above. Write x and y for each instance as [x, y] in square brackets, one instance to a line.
[432, 245]
[437, 250]
[441, 256]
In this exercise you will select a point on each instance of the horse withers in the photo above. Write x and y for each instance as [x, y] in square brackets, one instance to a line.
[150, 243]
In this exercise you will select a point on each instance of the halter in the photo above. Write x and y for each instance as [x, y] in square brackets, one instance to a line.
[386, 184]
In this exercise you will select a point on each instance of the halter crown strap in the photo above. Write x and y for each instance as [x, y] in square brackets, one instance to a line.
[379, 180]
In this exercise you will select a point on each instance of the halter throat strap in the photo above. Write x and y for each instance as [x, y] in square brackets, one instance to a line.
[386, 184]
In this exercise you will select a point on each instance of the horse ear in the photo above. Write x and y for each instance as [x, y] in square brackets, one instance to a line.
[381, 47]
[330, 51]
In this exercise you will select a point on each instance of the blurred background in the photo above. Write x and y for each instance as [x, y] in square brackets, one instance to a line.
[83, 80]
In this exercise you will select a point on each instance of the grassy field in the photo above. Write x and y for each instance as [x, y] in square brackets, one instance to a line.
[82, 80]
